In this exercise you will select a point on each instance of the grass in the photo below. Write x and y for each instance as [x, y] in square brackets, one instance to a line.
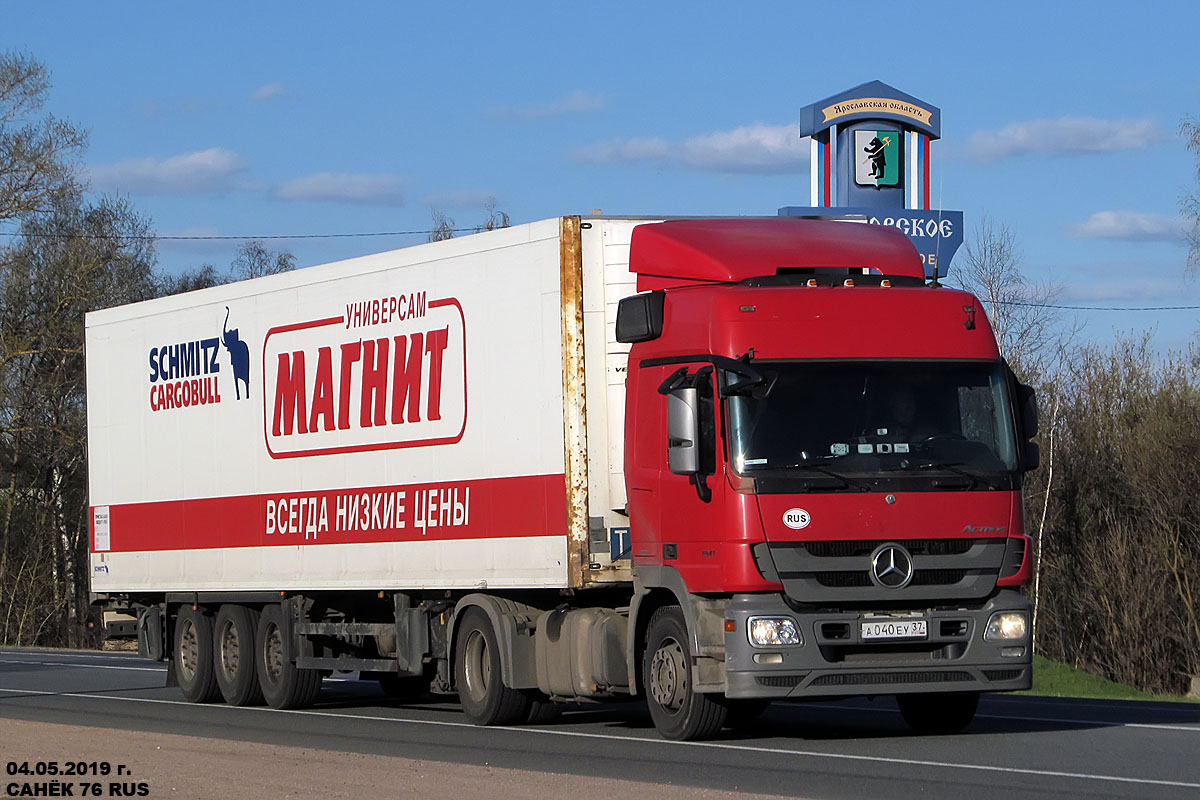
[1060, 680]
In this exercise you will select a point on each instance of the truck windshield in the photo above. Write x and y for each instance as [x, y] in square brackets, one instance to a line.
[874, 417]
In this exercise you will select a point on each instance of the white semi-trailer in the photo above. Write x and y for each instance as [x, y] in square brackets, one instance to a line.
[423, 465]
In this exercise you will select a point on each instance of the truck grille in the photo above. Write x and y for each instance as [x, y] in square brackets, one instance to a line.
[864, 678]
[864, 547]
[840, 571]
[929, 577]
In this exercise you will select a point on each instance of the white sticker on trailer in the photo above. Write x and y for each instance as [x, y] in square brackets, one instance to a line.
[101, 530]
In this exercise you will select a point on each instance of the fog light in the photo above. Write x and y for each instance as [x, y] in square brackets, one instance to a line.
[773, 632]
[1006, 626]
[1012, 652]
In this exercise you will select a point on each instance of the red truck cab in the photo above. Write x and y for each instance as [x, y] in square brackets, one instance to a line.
[824, 456]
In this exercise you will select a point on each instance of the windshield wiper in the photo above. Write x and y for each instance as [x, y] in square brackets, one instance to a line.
[808, 466]
[950, 466]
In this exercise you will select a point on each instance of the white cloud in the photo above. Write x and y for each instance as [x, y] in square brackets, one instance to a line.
[751, 148]
[343, 187]
[1131, 226]
[270, 91]
[576, 102]
[1063, 136]
[466, 199]
[211, 170]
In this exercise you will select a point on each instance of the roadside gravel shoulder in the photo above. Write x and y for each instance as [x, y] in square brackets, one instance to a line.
[194, 767]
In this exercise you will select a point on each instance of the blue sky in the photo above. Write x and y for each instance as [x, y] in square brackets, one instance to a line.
[1058, 119]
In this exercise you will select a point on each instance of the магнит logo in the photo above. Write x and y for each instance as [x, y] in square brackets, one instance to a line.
[386, 373]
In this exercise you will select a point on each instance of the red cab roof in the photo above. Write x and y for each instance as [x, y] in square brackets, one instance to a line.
[730, 250]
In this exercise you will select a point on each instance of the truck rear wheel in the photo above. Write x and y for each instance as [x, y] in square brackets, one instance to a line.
[233, 655]
[194, 655]
[678, 712]
[481, 690]
[938, 714]
[284, 685]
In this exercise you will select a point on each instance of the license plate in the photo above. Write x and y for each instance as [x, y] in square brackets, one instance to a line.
[895, 629]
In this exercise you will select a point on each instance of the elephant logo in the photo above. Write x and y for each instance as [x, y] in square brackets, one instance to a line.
[239, 357]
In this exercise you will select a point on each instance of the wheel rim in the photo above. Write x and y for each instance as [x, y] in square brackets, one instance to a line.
[668, 676]
[230, 650]
[477, 666]
[274, 653]
[189, 650]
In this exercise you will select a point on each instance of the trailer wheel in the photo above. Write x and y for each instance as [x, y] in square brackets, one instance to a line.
[481, 690]
[283, 684]
[233, 655]
[194, 655]
[938, 714]
[678, 712]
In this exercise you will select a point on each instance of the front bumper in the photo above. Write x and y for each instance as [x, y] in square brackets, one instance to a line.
[835, 661]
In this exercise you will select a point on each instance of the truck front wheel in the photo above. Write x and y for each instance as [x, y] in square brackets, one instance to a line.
[481, 690]
[678, 712]
[233, 655]
[938, 714]
[284, 685]
[194, 655]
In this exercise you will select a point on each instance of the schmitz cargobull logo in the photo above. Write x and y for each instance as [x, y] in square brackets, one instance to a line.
[187, 374]
[388, 372]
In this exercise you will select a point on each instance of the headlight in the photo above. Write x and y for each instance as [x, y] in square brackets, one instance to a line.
[1006, 626]
[773, 632]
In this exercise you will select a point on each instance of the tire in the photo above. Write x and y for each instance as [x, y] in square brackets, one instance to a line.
[481, 690]
[233, 655]
[938, 714]
[679, 713]
[743, 713]
[283, 684]
[193, 654]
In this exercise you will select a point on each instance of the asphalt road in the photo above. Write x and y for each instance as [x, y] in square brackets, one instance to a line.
[1017, 746]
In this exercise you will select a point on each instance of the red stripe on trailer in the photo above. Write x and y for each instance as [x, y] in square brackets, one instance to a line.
[530, 505]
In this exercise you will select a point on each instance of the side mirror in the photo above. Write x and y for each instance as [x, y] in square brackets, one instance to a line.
[683, 431]
[1027, 405]
[1031, 456]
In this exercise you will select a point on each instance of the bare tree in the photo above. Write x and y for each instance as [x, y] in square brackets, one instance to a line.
[496, 218]
[37, 151]
[73, 258]
[1189, 129]
[443, 227]
[1031, 334]
[254, 260]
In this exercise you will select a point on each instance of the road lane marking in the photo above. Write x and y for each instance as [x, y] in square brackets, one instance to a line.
[79, 666]
[1015, 717]
[816, 754]
[1096, 723]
